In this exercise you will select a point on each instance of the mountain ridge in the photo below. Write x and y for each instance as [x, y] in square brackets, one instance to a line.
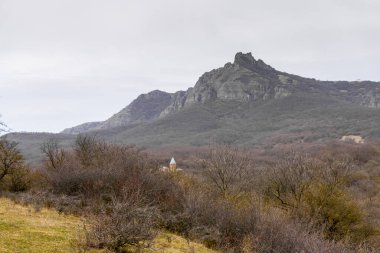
[246, 79]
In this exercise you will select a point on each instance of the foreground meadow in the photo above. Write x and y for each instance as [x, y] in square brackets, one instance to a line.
[23, 229]
[26, 230]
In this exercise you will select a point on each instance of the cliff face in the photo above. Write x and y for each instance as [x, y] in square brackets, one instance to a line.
[244, 80]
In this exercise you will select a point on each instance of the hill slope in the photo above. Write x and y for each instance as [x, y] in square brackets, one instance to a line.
[296, 118]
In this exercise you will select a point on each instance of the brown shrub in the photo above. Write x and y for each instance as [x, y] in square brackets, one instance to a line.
[127, 221]
[275, 234]
[95, 168]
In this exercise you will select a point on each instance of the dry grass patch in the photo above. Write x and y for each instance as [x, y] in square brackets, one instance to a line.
[170, 243]
[23, 229]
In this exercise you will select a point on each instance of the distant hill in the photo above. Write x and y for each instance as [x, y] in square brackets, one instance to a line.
[145, 108]
[246, 102]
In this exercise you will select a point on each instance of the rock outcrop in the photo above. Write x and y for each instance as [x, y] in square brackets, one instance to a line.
[246, 79]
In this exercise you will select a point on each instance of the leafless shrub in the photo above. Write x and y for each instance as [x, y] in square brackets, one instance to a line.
[336, 172]
[127, 221]
[223, 225]
[215, 221]
[274, 234]
[164, 191]
[95, 168]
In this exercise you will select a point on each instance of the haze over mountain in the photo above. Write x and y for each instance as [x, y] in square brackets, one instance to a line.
[245, 102]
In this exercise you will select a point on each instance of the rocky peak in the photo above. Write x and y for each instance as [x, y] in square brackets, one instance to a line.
[244, 80]
[249, 62]
[241, 59]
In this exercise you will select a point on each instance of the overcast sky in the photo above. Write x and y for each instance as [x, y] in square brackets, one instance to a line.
[65, 62]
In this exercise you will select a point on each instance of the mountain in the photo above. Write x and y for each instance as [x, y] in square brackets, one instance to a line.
[246, 102]
[245, 80]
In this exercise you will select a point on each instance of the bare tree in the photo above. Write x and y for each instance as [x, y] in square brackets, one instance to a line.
[228, 168]
[290, 178]
[55, 156]
[337, 171]
[10, 158]
[86, 149]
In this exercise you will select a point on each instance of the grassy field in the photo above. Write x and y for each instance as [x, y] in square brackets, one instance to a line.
[24, 230]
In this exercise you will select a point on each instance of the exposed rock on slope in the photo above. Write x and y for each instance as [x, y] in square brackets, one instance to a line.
[246, 79]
